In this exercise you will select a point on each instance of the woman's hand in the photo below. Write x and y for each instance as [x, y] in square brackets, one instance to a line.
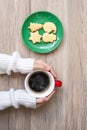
[38, 64]
[41, 101]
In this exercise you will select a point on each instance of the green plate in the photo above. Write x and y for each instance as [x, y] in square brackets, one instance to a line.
[42, 17]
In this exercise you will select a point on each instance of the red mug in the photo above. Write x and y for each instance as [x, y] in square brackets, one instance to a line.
[52, 84]
[58, 83]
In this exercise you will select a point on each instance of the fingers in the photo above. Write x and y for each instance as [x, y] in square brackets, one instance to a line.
[48, 97]
[39, 100]
[38, 64]
[51, 70]
[42, 100]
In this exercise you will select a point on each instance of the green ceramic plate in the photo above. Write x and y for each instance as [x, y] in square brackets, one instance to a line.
[42, 17]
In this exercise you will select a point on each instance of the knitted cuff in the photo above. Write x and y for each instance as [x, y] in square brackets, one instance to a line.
[16, 98]
[23, 98]
[15, 63]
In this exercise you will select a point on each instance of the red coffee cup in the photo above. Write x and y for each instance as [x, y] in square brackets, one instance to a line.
[58, 83]
[52, 84]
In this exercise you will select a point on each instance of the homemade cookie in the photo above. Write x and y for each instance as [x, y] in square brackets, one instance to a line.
[35, 37]
[49, 37]
[49, 27]
[35, 26]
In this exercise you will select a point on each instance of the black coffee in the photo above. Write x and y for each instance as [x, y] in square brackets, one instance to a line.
[39, 81]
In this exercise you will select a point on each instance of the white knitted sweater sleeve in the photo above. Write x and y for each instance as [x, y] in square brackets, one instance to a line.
[15, 63]
[16, 98]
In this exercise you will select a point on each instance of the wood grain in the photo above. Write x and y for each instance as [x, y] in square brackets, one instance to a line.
[67, 110]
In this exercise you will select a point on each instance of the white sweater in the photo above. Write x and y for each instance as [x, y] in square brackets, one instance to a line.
[13, 97]
[15, 63]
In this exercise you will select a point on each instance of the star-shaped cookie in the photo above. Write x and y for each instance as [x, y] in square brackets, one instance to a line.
[35, 37]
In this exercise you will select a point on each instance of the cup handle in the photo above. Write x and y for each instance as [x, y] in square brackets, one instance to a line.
[58, 83]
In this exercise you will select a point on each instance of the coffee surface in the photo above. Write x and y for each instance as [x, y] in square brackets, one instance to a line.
[39, 81]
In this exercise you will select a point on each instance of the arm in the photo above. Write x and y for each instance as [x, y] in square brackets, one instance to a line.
[16, 98]
[15, 63]
[19, 97]
[23, 65]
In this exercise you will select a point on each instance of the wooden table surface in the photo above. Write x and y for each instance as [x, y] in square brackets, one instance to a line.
[67, 109]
